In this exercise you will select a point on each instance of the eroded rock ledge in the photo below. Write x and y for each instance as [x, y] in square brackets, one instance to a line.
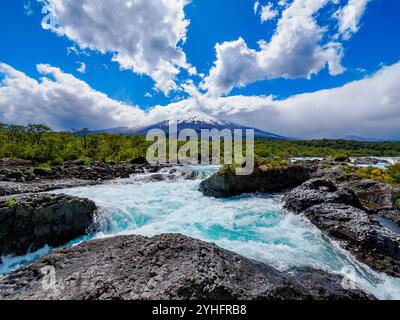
[164, 267]
[264, 179]
[29, 222]
[344, 212]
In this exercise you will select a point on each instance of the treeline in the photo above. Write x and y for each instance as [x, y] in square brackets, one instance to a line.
[37, 142]
[40, 144]
[325, 147]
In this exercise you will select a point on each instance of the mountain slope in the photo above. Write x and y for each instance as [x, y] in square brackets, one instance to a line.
[195, 122]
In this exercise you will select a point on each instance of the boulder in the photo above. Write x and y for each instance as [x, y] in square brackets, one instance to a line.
[166, 267]
[226, 183]
[28, 223]
[369, 161]
[140, 161]
[378, 197]
[357, 232]
[319, 191]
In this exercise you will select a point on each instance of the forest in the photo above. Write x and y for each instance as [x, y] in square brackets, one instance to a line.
[40, 144]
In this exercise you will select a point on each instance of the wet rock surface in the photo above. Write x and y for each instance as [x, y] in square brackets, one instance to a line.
[319, 191]
[346, 210]
[29, 222]
[226, 183]
[164, 267]
[357, 231]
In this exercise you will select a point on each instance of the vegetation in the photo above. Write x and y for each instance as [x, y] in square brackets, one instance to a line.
[40, 144]
[390, 175]
[325, 148]
[397, 202]
[11, 202]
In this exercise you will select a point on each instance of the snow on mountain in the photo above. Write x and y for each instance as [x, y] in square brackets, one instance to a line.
[197, 122]
[198, 118]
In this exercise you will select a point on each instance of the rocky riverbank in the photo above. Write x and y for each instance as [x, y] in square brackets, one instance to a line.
[360, 214]
[29, 222]
[20, 176]
[355, 214]
[164, 267]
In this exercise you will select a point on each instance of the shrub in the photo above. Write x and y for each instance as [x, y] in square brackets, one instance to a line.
[11, 202]
[397, 202]
[390, 175]
[87, 162]
[393, 173]
[45, 166]
[371, 173]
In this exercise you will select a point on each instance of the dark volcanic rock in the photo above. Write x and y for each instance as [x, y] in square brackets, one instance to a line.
[369, 161]
[22, 179]
[357, 232]
[378, 197]
[226, 184]
[318, 191]
[164, 267]
[71, 170]
[11, 188]
[28, 223]
[346, 212]
[5, 162]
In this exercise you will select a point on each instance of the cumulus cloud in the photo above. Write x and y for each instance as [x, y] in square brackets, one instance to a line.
[59, 100]
[143, 35]
[297, 49]
[267, 12]
[369, 107]
[349, 17]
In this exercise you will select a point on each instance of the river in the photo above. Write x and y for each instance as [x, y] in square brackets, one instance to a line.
[255, 226]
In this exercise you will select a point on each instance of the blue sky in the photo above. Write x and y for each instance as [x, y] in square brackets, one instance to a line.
[375, 44]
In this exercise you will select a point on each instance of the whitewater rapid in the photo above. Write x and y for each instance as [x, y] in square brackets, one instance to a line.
[255, 226]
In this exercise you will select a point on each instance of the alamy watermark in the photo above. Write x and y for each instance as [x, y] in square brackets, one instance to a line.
[236, 147]
[49, 21]
[349, 281]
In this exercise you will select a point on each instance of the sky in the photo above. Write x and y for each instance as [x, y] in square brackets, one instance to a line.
[300, 68]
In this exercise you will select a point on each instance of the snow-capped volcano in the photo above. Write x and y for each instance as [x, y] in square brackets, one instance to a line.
[195, 121]
[197, 118]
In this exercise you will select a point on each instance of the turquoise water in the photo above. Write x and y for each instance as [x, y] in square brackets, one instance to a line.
[255, 226]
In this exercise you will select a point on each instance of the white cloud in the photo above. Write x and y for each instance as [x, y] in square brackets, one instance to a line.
[369, 107]
[283, 3]
[143, 35]
[267, 12]
[82, 67]
[294, 51]
[59, 100]
[349, 17]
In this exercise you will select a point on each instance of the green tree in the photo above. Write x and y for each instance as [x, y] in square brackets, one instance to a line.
[37, 131]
